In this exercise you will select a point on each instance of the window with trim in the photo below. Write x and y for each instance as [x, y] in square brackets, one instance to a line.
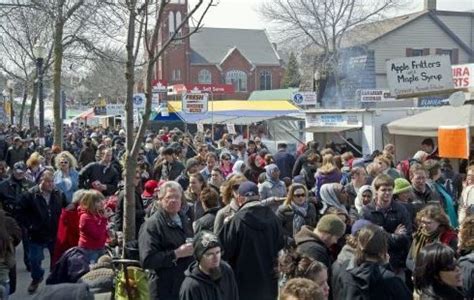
[449, 52]
[205, 76]
[178, 21]
[238, 79]
[265, 80]
[171, 27]
[417, 52]
[176, 74]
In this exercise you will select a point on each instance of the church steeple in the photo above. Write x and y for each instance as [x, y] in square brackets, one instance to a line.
[173, 66]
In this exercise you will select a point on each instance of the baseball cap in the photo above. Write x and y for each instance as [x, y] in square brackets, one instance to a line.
[19, 167]
[248, 189]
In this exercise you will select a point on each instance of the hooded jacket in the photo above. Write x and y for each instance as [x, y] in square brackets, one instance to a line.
[309, 244]
[370, 280]
[251, 241]
[197, 285]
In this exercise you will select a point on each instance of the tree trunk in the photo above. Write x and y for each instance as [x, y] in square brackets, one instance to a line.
[23, 103]
[34, 98]
[130, 161]
[58, 60]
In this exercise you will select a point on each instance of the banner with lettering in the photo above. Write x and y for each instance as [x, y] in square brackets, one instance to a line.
[420, 74]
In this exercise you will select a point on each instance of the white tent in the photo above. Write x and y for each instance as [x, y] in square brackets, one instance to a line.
[426, 123]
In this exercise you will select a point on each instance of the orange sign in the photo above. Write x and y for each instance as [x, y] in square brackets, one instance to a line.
[453, 141]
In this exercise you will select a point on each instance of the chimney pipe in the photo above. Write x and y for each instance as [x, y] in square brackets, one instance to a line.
[275, 46]
[430, 4]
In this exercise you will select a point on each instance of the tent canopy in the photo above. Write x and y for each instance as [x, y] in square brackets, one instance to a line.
[427, 123]
[239, 112]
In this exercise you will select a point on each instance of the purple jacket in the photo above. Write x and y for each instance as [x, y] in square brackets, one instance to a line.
[333, 176]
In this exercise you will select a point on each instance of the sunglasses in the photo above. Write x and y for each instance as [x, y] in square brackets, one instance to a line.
[298, 195]
[64, 162]
[225, 158]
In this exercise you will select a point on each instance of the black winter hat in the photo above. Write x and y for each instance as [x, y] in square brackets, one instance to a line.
[204, 241]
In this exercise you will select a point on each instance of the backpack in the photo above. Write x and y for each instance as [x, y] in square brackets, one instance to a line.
[403, 168]
[70, 267]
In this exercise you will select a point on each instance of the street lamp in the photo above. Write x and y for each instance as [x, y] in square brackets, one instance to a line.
[39, 52]
[11, 86]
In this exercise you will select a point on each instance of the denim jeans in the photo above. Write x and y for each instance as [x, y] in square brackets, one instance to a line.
[26, 246]
[93, 255]
[37, 256]
[4, 290]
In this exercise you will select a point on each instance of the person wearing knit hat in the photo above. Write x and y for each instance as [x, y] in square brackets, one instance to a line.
[208, 277]
[401, 186]
[316, 243]
[331, 225]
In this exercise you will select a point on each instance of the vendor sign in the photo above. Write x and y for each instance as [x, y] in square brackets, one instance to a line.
[333, 120]
[194, 102]
[463, 76]
[420, 74]
[453, 141]
[374, 95]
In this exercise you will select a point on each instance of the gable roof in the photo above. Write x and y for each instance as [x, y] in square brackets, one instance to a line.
[369, 32]
[366, 33]
[232, 50]
[211, 45]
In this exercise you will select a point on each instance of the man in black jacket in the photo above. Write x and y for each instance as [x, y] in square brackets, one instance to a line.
[208, 278]
[394, 218]
[39, 212]
[163, 246]
[251, 241]
[170, 168]
[284, 160]
[101, 175]
[11, 192]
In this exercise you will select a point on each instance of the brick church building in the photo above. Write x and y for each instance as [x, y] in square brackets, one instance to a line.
[244, 58]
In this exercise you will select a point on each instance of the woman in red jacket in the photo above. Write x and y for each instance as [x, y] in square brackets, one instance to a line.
[92, 225]
[68, 227]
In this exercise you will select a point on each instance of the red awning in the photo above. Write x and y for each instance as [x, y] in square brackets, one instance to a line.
[87, 115]
[217, 89]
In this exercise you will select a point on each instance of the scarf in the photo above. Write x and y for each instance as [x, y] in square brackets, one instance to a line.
[329, 198]
[421, 239]
[299, 213]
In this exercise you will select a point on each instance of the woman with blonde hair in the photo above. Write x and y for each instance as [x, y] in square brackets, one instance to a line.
[296, 211]
[92, 225]
[327, 173]
[433, 226]
[66, 177]
[35, 167]
[229, 194]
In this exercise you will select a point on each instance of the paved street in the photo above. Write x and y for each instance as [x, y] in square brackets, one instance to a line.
[24, 279]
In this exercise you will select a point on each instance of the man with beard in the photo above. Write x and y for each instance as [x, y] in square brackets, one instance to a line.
[251, 241]
[208, 278]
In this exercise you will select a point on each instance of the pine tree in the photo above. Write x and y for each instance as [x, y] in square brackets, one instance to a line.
[292, 75]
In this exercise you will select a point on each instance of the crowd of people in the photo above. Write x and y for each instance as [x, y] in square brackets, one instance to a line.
[230, 219]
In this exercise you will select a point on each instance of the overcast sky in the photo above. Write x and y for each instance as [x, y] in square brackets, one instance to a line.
[242, 13]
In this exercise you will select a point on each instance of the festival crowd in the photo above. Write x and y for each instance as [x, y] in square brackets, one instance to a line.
[227, 218]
